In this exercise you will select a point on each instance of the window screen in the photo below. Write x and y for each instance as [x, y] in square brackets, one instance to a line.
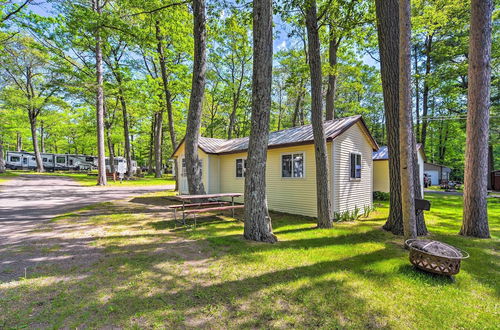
[241, 166]
[355, 166]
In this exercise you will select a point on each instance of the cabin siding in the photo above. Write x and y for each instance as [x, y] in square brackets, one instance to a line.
[351, 193]
[381, 175]
[183, 188]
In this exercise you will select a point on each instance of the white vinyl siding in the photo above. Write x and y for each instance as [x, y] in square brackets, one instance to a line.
[351, 193]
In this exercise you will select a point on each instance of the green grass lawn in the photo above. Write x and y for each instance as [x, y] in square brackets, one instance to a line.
[6, 176]
[151, 274]
[86, 180]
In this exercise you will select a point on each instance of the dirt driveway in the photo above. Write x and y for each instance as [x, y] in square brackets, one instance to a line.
[29, 199]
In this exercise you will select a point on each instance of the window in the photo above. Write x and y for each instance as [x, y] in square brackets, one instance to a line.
[60, 159]
[33, 158]
[71, 162]
[25, 160]
[89, 159]
[241, 167]
[292, 165]
[355, 166]
[14, 159]
[44, 159]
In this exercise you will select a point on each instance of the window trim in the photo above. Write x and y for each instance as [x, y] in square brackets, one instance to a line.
[351, 178]
[303, 167]
[244, 159]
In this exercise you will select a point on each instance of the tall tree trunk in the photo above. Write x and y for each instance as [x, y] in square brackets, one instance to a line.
[19, 142]
[193, 168]
[298, 104]
[34, 137]
[388, 36]
[126, 124]
[42, 136]
[158, 141]
[333, 47]
[405, 123]
[322, 178]
[425, 110]
[232, 118]
[111, 149]
[475, 222]
[257, 220]
[417, 93]
[2, 162]
[167, 94]
[101, 152]
[151, 144]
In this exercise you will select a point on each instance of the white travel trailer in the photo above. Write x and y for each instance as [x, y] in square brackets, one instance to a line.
[123, 162]
[22, 160]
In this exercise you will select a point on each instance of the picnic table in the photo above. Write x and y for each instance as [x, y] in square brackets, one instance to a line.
[187, 202]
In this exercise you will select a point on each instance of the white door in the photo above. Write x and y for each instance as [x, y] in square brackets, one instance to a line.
[183, 184]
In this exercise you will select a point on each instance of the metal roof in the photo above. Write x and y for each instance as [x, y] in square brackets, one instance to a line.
[291, 136]
[383, 153]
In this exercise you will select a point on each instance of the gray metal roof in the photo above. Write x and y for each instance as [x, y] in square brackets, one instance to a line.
[383, 152]
[290, 136]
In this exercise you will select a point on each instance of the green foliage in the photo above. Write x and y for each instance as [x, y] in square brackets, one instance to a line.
[380, 196]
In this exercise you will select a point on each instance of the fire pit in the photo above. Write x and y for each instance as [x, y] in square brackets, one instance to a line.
[435, 257]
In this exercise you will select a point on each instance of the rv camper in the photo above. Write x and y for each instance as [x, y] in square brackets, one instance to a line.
[22, 160]
[120, 160]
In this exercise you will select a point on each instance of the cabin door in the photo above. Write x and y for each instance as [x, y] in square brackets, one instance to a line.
[183, 184]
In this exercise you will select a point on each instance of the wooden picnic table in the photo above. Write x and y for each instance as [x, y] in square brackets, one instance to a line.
[184, 198]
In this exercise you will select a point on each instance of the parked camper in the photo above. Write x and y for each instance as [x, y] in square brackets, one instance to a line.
[120, 160]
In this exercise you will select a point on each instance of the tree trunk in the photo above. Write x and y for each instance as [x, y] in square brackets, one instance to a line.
[101, 152]
[42, 136]
[388, 35]
[322, 178]
[36, 149]
[126, 124]
[257, 220]
[2, 162]
[151, 144]
[298, 103]
[158, 141]
[166, 90]
[19, 142]
[417, 93]
[475, 222]
[232, 118]
[405, 123]
[425, 110]
[193, 168]
[111, 149]
[332, 76]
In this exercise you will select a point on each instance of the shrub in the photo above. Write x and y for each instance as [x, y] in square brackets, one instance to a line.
[380, 196]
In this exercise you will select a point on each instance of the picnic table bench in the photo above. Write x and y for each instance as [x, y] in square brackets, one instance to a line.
[185, 199]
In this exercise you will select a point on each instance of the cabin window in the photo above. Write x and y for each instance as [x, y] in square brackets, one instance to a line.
[33, 158]
[292, 165]
[25, 160]
[44, 159]
[241, 167]
[71, 162]
[14, 159]
[89, 159]
[355, 166]
[60, 159]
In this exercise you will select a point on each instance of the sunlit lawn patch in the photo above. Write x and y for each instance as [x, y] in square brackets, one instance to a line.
[152, 274]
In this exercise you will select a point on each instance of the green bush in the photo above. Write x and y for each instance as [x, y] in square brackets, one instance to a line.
[380, 196]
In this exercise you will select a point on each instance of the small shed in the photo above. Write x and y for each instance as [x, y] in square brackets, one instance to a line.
[495, 180]
[437, 173]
